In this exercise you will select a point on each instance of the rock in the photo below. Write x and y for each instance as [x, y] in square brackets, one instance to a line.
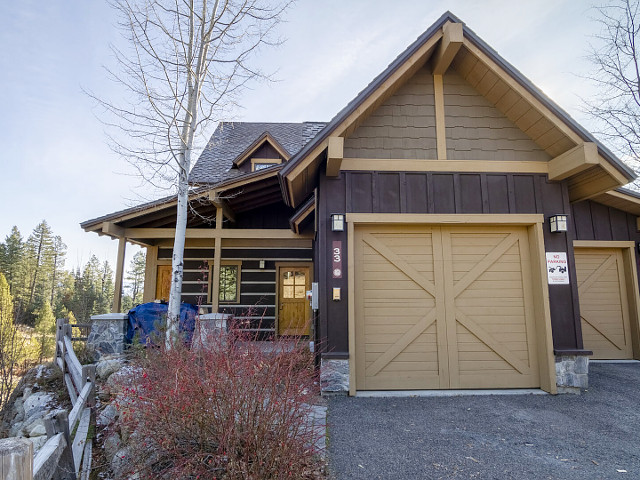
[107, 416]
[125, 377]
[36, 400]
[106, 367]
[36, 428]
[16, 429]
[38, 443]
[121, 463]
[26, 392]
[111, 444]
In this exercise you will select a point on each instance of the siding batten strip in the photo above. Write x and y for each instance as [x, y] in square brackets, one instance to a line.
[441, 138]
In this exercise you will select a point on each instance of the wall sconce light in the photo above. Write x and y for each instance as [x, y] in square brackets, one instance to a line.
[261, 264]
[337, 222]
[558, 223]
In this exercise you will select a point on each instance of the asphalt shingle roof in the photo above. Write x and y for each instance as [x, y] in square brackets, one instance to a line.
[231, 139]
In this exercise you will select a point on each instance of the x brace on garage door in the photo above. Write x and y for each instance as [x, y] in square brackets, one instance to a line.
[446, 307]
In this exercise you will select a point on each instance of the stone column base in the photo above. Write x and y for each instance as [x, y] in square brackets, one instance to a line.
[572, 373]
[107, 333]
[334, 377]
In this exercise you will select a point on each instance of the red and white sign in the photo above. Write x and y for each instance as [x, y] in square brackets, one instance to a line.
[557, 268]
[336, 255]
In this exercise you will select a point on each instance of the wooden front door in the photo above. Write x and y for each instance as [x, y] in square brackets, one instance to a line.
[604, 307]
[293, 306]
[444, 307]
[163, 282]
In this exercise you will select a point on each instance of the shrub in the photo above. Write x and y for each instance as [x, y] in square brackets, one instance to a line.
[228, 411]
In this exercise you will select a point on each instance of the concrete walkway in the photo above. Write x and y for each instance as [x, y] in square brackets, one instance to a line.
[595, 435]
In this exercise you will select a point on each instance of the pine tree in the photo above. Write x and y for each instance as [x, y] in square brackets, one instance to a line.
[58, 252]
[39, 248]
[11, 253]
[135, 277]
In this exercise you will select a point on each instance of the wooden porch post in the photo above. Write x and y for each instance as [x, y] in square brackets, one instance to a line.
[117, 291]
[215, 281]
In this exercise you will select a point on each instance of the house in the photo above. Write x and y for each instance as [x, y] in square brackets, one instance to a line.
[463, 230]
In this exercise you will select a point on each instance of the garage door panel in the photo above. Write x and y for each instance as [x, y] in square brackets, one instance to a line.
[476, 308]
[603, 309]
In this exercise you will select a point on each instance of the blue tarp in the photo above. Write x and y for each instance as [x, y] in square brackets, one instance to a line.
[146, 321]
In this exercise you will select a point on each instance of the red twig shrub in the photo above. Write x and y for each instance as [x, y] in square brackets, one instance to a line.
[228, 411]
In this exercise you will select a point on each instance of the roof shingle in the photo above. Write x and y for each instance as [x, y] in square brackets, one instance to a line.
[231, 139]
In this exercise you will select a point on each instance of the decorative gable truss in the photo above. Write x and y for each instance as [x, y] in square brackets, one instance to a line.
[451, 103]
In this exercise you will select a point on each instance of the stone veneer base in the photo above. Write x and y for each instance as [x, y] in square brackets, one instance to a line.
[334, 377]
[572, 373]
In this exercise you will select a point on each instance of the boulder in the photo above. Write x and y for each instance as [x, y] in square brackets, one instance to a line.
[111, 444]
[107, 416]
[107, 367]
[38, 443]
[36, 401]
[121, 463]
[35, 428]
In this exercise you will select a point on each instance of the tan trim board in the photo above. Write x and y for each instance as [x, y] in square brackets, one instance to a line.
[451, 42]
[441, 134]
[302, 242]
[603, 244]
[574, 161]
[215, 233]
[631, 280]
[117, 289]
[351, 307]
[404, 165]
[335, 154]
[445, 218]
[299, 217]
[217, 253]
[620, 200]
[546, 359]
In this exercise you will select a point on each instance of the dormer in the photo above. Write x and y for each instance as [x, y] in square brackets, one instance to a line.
[264, 153]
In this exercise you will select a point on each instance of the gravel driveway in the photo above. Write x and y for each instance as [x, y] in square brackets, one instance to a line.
[595, 435]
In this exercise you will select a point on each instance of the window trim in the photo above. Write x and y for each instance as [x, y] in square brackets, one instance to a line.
[254, 161]
[225, 263]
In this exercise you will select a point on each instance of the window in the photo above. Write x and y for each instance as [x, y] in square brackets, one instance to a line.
[262, 163]
[229, 291]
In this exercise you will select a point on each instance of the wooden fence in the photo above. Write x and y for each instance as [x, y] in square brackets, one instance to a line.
[67, 453]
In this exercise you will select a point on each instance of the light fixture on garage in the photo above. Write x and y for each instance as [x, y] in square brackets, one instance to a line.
[558, 223]
[261, 264]
[337, 222]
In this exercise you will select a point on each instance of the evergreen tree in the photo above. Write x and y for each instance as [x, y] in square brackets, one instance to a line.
[11, 255]
[11, 342]
[45, 328]
[39, 249]
[58, 252]
[135, 277]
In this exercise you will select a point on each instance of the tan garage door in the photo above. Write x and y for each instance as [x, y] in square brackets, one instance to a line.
[443, 307]
[604, 308]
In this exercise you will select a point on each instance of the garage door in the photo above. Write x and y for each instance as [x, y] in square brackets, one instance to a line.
[604, 308]
[443, 307]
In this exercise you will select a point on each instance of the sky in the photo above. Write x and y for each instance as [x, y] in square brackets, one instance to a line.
[56, 165]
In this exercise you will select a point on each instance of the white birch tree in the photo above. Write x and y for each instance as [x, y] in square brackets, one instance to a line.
[185, 63]
[615, 56]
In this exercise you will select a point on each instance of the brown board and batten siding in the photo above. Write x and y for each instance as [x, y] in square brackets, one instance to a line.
[257, 285]
[594, 221]
[455, 193]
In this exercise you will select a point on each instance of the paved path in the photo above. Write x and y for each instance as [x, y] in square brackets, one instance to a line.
[595, 435]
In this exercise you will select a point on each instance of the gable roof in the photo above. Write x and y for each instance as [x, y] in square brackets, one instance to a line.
[419, 52]
[231, 139]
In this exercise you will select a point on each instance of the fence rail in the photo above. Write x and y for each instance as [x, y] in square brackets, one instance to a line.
[67, 448]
